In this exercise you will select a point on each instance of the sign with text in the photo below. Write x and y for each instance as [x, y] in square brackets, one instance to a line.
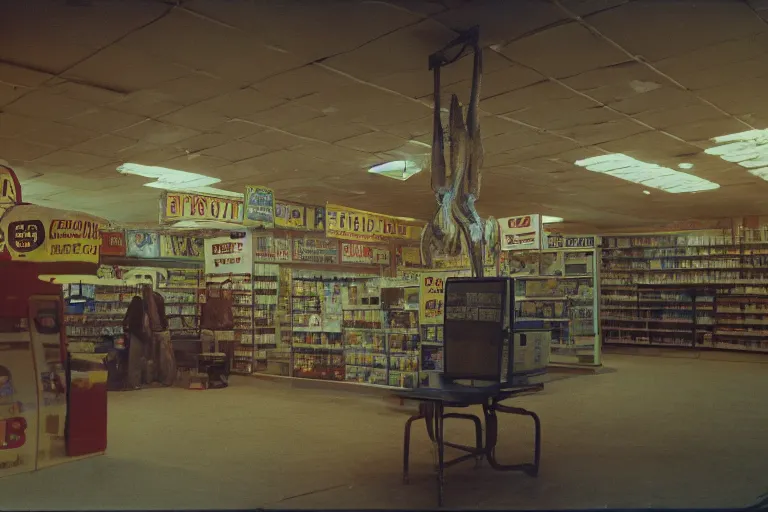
[299, 217]
[351, 224]
[113, 243]
[178, 206]
[408, 256]
[316, 250]
[569, 242]
[36, 233]
[259, 207]
[142, 244]
[231, 254]
[365, 254]
[520, 233]
[268, 248]
[181, 247]
[431, 298]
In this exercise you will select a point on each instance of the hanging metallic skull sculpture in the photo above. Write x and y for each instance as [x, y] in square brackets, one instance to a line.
[456, 216]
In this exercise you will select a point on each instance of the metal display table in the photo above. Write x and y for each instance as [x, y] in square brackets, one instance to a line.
[434, 401]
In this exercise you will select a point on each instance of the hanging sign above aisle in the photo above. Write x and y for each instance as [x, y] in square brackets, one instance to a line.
[520, 233]
[361, 226]
[570, 242]
[316, 250]
[142, 244]
[259, 207]
[229, 254]
[112, 243]
[181, 247]
[178, 206]
[40, 234]
[299, 217]
[270, 248]
[360, 253]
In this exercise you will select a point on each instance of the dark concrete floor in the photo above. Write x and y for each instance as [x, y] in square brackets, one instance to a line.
[655, 432]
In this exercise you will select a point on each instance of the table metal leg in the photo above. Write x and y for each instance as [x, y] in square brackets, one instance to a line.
[478, 435]
[407, 442]
[491, 423]
[440, 451]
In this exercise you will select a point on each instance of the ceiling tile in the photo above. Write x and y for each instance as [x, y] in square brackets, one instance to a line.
[194, 88]
[602, 132]
[664, 117]
[273, 139]
[73, 160]
[21, 76]
[303, 81]
[197, 117]
[242, 103]
[156, 132]
[664, 97]
[327, 129]
[616, 83]
[91, 94]
[44, 105]
[704, 23]
[102, 119]
[373, 142]
[401, 50]
[75, 33]
[525, 97]
[203, 141]
[145, 103]
[19, 150]
[546, 51]
[196, 162]
[346, 25]
[123, 69]
[236, 150]
[104, 145]
[502, 21]
[284, 115]
[237, 128]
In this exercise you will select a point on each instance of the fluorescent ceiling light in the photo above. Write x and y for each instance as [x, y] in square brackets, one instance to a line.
[627, 168]
[685, 165]
[646, 192]
[179, 181]
[748, 149]
[546, 219]
[399, 169]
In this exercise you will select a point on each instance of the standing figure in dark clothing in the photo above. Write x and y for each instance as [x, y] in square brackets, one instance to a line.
[138, 336]
[164, 361]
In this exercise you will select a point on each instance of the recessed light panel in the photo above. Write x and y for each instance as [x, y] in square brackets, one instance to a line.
[179, 181]
[546, 219]
[627, 168]
[748, 149]
[399, 169]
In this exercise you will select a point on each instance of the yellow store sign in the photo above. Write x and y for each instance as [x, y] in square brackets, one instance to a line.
[351, 224]
[36, 233]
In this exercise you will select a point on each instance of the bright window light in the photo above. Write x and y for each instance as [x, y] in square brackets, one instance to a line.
[627, 168]
[748, 149]
[546, 219]
[399, 169]
[179, 181]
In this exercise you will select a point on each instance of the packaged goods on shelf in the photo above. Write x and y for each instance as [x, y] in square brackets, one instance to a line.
[711, 275]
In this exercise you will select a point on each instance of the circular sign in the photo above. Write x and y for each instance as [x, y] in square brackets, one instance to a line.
[26, 235]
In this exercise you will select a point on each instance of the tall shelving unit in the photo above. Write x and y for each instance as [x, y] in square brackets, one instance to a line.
[87, 322]
[237, 343]
[265, 319]
[181, 293]
[702, 290]
[316, 343]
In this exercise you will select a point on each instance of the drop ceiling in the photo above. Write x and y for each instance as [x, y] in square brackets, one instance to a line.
[305, 96]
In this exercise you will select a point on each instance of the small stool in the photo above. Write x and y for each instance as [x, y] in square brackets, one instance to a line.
[214, 364]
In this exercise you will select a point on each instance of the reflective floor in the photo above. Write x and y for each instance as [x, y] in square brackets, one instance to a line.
[649, 431]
